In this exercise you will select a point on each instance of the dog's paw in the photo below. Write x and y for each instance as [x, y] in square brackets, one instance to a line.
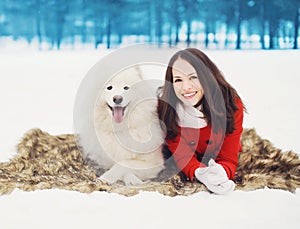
[103, 181]
[131, 179]
[108, 178]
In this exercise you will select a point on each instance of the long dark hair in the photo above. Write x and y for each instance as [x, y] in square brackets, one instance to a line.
[218, 102]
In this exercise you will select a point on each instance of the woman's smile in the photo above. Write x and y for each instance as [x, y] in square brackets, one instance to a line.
[190, 95]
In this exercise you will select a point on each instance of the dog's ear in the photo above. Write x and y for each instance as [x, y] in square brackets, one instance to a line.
[139, 71]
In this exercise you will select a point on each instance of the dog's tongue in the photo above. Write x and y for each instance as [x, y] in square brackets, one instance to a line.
[118, 114]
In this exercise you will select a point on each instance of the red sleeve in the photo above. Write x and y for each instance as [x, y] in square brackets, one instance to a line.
[183, 151]
[228, 155]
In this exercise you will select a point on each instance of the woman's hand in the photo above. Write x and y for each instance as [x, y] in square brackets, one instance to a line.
[214, 177]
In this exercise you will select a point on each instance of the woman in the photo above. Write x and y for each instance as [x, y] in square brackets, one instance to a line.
[202, 116]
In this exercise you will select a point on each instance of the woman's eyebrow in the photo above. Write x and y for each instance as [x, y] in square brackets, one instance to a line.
[180, 76]
[177, 76]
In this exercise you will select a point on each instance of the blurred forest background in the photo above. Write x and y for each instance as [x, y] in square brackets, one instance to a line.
[212, 24]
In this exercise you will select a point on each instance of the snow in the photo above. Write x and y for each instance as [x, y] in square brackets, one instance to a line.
[37, 90]
[66, 209]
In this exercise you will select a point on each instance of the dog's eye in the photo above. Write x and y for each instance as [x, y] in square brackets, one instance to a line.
[109, 88]
[126, 88]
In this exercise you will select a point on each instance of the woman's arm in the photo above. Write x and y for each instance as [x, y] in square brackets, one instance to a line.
[228, 155]
[183, 148]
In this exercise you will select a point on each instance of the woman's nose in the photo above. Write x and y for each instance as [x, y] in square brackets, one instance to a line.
[187, 84]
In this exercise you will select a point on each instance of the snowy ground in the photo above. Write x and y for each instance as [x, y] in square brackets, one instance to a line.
[38, 90]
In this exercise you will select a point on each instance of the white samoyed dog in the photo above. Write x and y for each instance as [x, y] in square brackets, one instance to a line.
[128, 130]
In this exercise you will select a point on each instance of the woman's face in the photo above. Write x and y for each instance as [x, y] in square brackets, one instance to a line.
[186, 84]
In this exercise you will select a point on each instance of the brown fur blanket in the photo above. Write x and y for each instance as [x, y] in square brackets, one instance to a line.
[45, 161]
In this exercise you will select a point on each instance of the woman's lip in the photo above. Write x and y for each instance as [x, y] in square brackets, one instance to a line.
[189, 95]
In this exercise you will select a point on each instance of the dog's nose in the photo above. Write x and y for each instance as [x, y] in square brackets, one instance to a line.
[117, 99]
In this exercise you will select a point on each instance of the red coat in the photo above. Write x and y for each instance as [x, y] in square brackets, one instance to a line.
[195, 142]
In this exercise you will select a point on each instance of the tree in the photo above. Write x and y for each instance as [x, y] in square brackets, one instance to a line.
[55, 20]
[174, 17]
[210, 19]
[262, 19]
[191, 12]
[296, 24]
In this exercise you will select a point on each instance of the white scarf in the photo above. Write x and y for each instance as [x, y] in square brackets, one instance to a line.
[190, 116]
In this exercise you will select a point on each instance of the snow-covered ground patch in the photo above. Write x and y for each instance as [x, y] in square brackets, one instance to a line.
[65, 209]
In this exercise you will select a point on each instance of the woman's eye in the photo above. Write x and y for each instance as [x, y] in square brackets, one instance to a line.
[194, 77]
[109, 88]
[126, 88]
[177, 80]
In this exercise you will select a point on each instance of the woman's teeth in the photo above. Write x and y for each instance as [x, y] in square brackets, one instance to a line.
[189, 94]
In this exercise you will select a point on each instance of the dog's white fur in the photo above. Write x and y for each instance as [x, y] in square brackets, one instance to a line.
[130, 144]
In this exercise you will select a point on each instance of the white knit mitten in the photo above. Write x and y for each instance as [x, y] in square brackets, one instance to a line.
[214, 177]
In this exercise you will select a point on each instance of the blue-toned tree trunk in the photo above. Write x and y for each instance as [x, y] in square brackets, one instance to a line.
[238, 24]
[262, 18]
[296, 26]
